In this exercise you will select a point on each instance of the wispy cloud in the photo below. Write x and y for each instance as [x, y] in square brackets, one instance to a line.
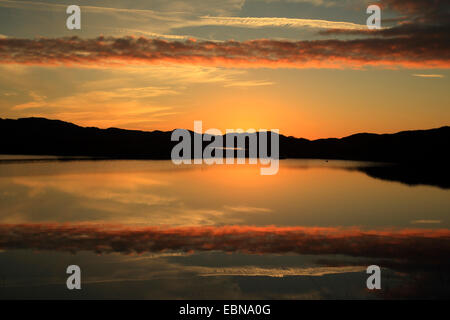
[428, 75]
[95, 97]
[247, 209]
[161, 9]
[326, 3]
[426, 221]
[131, 107]
[254, 22]
[256, 83]
[45, 6]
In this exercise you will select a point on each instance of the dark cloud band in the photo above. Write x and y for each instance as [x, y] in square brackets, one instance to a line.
[399, 244]
[407, 52]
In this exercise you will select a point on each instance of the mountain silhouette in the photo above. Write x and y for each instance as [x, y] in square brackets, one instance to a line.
[40, 136]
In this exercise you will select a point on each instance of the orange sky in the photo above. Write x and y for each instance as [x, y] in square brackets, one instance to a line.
[308, 69]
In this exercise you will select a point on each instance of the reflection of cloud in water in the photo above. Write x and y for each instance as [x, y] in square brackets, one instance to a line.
[251, 271]
[399, 244]
[118, 187]
[274, 264]
[305, 192]
[132, 197]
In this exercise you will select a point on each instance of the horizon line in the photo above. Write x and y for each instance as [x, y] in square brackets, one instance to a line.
[244, 132]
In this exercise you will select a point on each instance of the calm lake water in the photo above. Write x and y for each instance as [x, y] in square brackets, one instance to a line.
[153, 230]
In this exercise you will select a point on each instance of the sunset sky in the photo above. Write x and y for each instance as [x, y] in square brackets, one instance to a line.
[309, 68]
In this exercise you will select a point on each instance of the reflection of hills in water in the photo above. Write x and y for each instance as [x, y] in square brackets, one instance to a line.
[438, 176]
[412, 175]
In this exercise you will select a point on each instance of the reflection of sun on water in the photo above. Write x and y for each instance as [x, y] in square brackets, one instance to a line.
[302, 193]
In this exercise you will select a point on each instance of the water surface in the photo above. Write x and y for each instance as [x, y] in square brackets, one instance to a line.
[150, 229]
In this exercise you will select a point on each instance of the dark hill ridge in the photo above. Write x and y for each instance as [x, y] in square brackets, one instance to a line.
[39, 136]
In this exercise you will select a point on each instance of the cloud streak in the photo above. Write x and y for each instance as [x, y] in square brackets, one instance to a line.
[428, 75]
[257, 22]
[423, 52]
